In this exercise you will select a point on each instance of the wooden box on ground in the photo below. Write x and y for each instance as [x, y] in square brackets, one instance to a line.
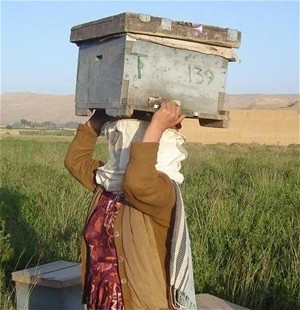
[210, 302]
[56, 286]
[126, 61]
[53, 286]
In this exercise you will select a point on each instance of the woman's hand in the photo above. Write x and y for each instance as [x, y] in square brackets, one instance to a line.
[98, 119]
[168, 116]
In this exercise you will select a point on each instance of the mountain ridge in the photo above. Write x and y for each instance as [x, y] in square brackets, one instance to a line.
[60, 109]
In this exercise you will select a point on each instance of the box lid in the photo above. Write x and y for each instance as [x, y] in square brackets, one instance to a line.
[57, 274]
[156, 26]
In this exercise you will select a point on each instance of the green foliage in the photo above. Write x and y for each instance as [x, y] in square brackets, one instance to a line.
[242, 204]
[46, 132]
[243, 207]
[6, 255]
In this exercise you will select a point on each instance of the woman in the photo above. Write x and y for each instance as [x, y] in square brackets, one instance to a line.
[135, 252]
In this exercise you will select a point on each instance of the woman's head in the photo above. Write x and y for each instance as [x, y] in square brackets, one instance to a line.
[121, 134]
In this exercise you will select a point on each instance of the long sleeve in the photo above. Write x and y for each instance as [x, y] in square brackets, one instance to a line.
[79, 159]
[145, 188]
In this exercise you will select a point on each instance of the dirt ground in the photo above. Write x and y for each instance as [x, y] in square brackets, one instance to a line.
[271, 127]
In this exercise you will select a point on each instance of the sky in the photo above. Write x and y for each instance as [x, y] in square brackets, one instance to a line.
[37, 56]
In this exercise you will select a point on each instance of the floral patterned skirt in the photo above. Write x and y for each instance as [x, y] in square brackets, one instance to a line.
[103, 288]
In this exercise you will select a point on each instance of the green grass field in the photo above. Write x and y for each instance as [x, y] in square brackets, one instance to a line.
[242, 202]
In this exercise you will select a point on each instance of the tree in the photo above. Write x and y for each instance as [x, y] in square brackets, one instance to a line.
[25, 123]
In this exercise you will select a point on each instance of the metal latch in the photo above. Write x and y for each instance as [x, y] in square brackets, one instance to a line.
[156, 102]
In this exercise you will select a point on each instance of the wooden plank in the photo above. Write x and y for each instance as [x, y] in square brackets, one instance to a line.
[204, 122]
[58, 274]
[98, 28]
[210, 302]
[61, 278]
[213, 116]
[156, 26]
[220, 120]
[45, 268]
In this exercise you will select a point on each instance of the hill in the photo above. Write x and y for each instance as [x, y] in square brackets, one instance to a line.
[37, 108]
[61, 108]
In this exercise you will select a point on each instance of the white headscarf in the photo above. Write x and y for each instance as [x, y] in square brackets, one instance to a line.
[120, 135]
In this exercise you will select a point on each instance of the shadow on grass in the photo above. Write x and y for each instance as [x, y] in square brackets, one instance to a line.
[18, 242]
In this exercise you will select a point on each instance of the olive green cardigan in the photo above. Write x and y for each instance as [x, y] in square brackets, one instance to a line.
[142, 224]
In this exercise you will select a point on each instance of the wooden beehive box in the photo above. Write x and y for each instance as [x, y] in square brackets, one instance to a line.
[127, 60]
[53, 286]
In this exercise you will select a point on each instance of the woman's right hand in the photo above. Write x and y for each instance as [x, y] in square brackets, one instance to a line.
[167, 116]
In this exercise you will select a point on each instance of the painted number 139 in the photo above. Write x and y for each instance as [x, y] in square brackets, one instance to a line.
[200, 76]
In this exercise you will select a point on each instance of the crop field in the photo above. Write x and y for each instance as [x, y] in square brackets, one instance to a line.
[242, 203]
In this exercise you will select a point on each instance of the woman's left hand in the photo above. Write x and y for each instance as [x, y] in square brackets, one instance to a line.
[98, 119]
